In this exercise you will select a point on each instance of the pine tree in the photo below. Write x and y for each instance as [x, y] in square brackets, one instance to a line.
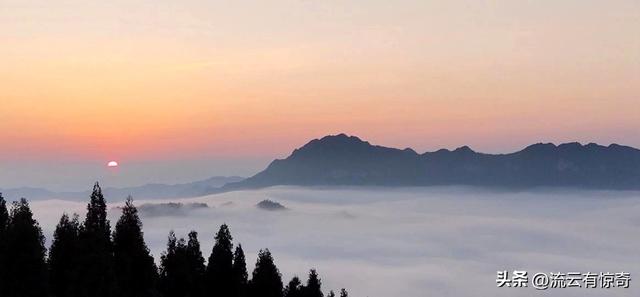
[24, 264]
[63, 262]
[266, 280]
[171, 281]
[135, 271]
[95, 274]
[182, 267]
[240, 274]
[294, 288]
[196, 265]
[4, 217]
[313, 287]
[343, 293]
[4, 220]
[219, 275]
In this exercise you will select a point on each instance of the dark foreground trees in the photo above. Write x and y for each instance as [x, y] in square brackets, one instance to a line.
[219, 275]
[95, 256]
[63, 257]
[313, 288]
[239, 273]
[4, 221]
[182, 268]
[266, 280]
[294, 288]
[25, 270]
[135, 271]
[87, 260]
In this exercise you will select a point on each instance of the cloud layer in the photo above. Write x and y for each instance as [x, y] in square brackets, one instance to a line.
[415, 241]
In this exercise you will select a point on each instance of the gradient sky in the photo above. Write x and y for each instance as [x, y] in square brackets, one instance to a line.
[198, 86]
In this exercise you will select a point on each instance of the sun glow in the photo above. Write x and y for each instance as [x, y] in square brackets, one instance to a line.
[112, 164]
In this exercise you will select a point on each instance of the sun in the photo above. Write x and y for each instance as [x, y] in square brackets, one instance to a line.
[112, 164]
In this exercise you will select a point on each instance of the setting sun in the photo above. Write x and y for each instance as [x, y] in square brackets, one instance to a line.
[112, 164]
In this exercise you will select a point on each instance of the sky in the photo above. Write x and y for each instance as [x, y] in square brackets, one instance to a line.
[181, 90]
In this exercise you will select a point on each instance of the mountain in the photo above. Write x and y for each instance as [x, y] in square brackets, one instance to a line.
[164, 191]
[348, 160]
[148, 191]
[17, 193]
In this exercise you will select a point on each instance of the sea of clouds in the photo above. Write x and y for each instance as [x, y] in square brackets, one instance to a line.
[437, 241]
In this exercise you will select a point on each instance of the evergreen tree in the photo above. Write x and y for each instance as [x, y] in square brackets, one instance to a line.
[25, 267]
[343, 293]
[182, 267]
[331, 294]
[63, 262]
[219, 275]
[173, 268]
[196, 265]
[95, 273]
[313, 287]
[135, 271]
[85, 262]
[294, 288]
[240, 274]
[4, 220]
[4, 217]
[266, 280]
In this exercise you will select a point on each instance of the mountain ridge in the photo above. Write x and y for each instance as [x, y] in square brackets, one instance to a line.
[343, 160]
[146, 191]
[348, 160]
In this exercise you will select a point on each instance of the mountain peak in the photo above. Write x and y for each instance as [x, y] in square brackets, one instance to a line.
[342, 137]
[337, 143]
[464, 149]
[540, 148]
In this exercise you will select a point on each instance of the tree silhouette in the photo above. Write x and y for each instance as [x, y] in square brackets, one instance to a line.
[4, 220]
[172, 272]
[95, 273]
[135, 271]
[63, 262]
[294, 288]
[25, 267]
[331, 294]
[313, 287]
[240, 274]
[219, 275]
[343, 293]
[266, 280]
[182, 267]
[196, 265]
[4, 217]
[84, 261]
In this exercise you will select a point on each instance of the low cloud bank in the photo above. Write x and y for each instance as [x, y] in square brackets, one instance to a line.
[440, 241]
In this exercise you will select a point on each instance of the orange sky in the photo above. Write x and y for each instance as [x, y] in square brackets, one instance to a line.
[152, 80]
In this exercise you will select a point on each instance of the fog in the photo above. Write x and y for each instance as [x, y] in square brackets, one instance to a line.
[64, 175]
[438, 241]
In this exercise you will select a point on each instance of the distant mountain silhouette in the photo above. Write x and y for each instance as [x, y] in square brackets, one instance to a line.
[164, 191]
[347, 160]
[148, 191]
